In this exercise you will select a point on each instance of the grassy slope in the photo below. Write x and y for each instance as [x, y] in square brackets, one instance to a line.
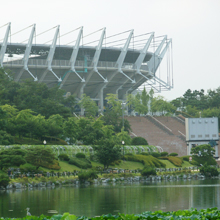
[123, 165]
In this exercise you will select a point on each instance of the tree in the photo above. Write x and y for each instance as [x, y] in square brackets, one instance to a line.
[123, 136]
[71, 128]
[208, 171]
[91, 109]
[107, 152]
[203, 150]
[39, 155]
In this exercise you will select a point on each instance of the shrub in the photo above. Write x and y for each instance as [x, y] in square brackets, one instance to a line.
[186, 158]
[164, 154]
[209, 171]
[145, 160]
[64, 157]
[54, 165]
[163, 158]
[145, 153]
[155, 154]
[80, 155]
[173, 154]
[176, 161]
[196, 160]
[147, 171]
[27, 167]
[80, 162]
[139, 141]
[87, 175]
[4, 180]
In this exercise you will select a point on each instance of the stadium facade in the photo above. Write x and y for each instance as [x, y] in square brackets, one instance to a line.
[93, 70]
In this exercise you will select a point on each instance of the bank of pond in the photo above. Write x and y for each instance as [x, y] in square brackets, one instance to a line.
[210, 213]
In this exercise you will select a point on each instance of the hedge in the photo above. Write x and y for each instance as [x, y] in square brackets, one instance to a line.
[80, 162]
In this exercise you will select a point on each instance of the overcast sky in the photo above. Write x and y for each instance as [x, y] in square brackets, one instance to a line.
[193, 25]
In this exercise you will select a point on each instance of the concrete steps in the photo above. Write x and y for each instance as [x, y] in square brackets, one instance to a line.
[155, 135]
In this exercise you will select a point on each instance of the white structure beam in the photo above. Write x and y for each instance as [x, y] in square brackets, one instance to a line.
[73, 59]
[4, 44]
[26, 56]
[119, 63]
[50, 57]
[94, 64]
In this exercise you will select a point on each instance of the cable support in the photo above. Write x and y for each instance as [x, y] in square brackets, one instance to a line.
[118, 34]
[41, 33]
[140, 40]
[91, 42]
[22, 30]
[160, 36]
[93, 32]
[4, 25]
[69, 32]
[116, 41]
[143, 34]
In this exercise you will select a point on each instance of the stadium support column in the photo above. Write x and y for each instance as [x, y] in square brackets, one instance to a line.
[73, 59]
[101, 100]
[94, 63]
[119, 63]
[4, 45]
[26, 56]
[50, 57]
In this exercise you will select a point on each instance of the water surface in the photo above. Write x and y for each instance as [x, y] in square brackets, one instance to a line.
[102, 199]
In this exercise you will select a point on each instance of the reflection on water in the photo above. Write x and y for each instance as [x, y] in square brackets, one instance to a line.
[102, 199]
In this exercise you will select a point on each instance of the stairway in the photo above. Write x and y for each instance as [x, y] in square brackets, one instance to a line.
[155, 135]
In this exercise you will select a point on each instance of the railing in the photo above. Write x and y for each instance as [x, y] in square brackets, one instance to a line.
[66, 63]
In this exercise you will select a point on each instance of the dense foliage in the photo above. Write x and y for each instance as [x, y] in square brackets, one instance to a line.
[209, 171]
[147, 171]
[139, 141]
[82, 163]
[147, 160]
[203, 214]
[107, 152]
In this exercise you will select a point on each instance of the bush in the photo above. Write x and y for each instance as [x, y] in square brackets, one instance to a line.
[4, 180]
[87, 175]
[64, 157]
[27, 167]
[209, 171]
[80, 162]
[139, 141]
[146, 160]
[145, 153]
[185, 158]
[176, 161]
[54, 165]
[196, 160]
[80, 155]
[164, 154]
[147, 171]
[173, 154]
[155, 154]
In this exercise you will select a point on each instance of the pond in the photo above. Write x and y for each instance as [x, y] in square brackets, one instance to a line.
[127, 198]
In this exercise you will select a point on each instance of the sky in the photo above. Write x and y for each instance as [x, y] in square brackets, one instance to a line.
[193, 25]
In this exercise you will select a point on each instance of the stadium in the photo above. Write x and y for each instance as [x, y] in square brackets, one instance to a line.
[120, 64]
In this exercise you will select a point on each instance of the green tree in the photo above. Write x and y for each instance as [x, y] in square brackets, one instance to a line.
[123, 136]
[91, 109]
[203, 150]
[71, 128]
[39, 155]
[107, 152]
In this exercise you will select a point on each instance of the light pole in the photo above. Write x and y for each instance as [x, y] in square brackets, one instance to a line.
[122, 104]
[45, 142]
[123, 143]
